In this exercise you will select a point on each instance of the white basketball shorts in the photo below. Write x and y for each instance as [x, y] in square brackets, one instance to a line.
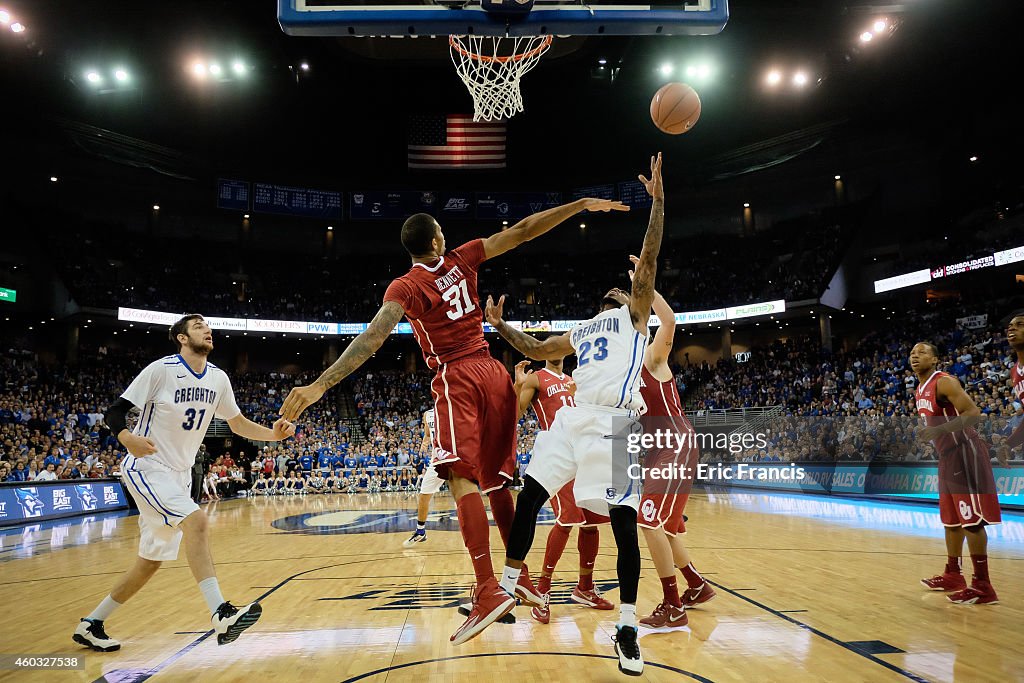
[163, 498]
[580, 446]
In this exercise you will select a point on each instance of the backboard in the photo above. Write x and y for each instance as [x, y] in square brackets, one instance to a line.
[459, 17]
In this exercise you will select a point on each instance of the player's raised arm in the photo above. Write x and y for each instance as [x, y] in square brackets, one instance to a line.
[526, 385]
[658, 352]
[357, 352]
[541, 222]
[647, 265]
[555, 346]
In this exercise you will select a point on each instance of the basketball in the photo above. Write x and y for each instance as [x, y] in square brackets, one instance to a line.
[675, 108]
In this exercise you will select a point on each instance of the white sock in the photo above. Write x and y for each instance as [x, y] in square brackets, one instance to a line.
[421, 526]
[211, 593]
[509, 579]
[104, 609]
[627, 615]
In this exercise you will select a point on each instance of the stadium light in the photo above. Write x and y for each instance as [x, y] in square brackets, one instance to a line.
[198, 70]
[666, 69]
[156, 207]
[839, 177]
[746, 205]
[800, 79]
[120, 75]
[5, 17]
[215, 69]
[973, 159]
[866, 37]
[583, 226]
[304, 66]
[879, 25]
[93, 77]
[18, 27]
[602, 61]
[774, 77]
[245, 216]
[53, 179]
[330, 228]
[238, 66]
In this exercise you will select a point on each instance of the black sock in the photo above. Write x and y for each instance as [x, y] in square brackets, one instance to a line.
[628, 544]
[524, 525]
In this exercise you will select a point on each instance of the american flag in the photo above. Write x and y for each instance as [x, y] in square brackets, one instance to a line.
[455, 141]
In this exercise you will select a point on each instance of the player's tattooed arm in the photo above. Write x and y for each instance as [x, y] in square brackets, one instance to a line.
[357, 353]
[642, 294]
[556, 346]
[659, 351]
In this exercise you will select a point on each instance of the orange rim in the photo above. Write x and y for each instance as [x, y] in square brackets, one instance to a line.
[453, 41]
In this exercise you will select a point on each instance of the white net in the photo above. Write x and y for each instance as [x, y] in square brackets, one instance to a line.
[491, 68]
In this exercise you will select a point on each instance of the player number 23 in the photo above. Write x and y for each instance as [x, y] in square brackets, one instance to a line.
[457, 297]
[190, 419]
[601, 351]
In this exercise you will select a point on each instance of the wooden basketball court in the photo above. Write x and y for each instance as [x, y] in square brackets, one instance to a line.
[809, 589]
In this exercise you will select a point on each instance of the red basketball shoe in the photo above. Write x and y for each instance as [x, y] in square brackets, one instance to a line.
[978, 593]
[666, 616]
[945, 582]
[590, 598]
[542, 614]
[490, 603]
[526, 591]
[698, 595]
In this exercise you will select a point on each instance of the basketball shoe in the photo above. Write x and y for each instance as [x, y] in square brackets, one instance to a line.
[945, 582]
[91, 634]
[631, 662]
[978, 593]
[591, 598]
[418, 536]
[698, 595]
[543, 614]
[490, 603]
[526, 591]
[229, 621]
[666, 615]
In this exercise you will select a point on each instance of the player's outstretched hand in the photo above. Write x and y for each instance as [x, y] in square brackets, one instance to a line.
[634, 260]
[283, 429]
[654, 185]
[592, 204]
[494, 311]
[299, 399]
[522, 371]
[139, 446]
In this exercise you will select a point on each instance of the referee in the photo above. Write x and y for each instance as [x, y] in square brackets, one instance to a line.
[198, 470]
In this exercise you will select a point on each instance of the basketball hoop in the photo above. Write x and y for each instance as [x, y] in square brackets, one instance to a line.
[491, 68]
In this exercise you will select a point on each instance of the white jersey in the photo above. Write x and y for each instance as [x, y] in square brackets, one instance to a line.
[610, 356]
[177, 407]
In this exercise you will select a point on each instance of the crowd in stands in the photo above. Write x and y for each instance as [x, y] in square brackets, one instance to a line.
[104, 268]
[858, 404]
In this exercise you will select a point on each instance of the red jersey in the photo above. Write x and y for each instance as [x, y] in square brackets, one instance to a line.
[1017, 376]
[442, 304]
[661, 398]
[938, 411]
[552, 393]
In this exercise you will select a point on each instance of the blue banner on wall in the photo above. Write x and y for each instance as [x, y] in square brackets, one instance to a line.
[514, 205]
[398, 205]
[38, 501]
[296, 201]
[232, 194]
[917, 482]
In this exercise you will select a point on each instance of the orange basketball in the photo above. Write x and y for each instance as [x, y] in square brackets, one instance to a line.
[675, 108]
